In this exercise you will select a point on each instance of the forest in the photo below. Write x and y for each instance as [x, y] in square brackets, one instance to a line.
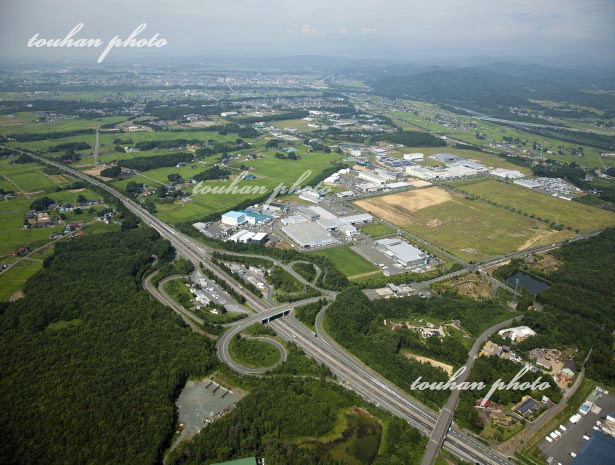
[357, 323]
[90, 364]
[579, 306]
[412, 139]
[269, 422]
[156, 161]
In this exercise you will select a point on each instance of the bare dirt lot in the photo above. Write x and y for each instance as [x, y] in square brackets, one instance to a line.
[475, 287]
[395, 207]
[443, 366]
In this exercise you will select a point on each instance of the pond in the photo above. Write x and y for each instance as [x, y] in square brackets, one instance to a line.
[528, 282]
[199, 403]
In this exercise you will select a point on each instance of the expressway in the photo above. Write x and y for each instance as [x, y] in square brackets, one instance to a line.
[356, 375]
[445, 419]
[372, 387]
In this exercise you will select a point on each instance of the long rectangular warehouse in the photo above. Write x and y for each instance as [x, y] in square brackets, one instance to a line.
[308, 235]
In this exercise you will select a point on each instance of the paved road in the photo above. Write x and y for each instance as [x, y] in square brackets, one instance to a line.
[371, 386]
[222, 345]
[169, 302]
[167, 297]
[445, 419]
[362, 379]
[48, 244]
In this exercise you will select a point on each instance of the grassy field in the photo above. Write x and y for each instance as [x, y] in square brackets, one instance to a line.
[12, 280]
[471, 230]
[426, 120]
[29, 124]
[269, 172]
[349, 262]
[376, 229]
[28, 177]
[107, 138]
[299, 124]
[571, 214]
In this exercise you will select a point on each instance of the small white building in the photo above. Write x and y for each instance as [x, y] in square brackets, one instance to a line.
[506, 174]
[310, 196]
[518, 334]
[414, 156]
[371, 177]
[347, 229]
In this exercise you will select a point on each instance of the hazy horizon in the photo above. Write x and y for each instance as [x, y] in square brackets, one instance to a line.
[441, 31]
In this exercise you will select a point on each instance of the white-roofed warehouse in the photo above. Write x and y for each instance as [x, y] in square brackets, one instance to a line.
[308, 235]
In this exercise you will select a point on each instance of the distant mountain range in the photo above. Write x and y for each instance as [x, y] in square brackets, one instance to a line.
[503, 84]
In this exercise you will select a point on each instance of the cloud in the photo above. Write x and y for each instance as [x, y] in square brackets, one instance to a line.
[309, 31]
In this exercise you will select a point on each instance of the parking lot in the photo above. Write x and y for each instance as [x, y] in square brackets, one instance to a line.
[217, 295]
[368, 251]
[572, 440]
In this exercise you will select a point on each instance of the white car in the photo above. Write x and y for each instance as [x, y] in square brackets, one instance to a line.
[562, 427]
[548, 439]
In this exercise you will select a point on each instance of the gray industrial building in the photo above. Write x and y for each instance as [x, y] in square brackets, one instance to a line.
[308, 235]
[402, 251]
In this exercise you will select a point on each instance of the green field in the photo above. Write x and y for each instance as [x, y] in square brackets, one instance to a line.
[269, 172]
[106, 138]
[13, 239]
[13, 279]
[470, 229]
[349, 262]
[427, 120]
[32, 127]
[571, 214]
[376, 229]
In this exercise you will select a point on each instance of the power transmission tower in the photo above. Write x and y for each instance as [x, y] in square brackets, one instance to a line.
[516, 291]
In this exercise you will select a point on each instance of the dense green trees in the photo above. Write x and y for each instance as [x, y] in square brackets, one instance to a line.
[490, 369]
[307, 313]
[412, 139]
[156, 161]
[70, 146]
[579, 307]
[267, 422]
[166, 144]
[357, 323]
[41, 204]
[215, 172]
[111, 172]
[90, 364]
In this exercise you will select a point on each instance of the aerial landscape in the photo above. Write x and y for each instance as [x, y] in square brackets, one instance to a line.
[288, 233]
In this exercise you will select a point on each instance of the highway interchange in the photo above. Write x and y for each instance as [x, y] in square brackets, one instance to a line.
[353, 373]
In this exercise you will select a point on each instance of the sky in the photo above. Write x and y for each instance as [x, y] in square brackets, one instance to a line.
[402, 30]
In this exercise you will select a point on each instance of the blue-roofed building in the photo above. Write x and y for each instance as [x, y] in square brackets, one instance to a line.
[600, 449]
[234, 218]
[255, 218]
